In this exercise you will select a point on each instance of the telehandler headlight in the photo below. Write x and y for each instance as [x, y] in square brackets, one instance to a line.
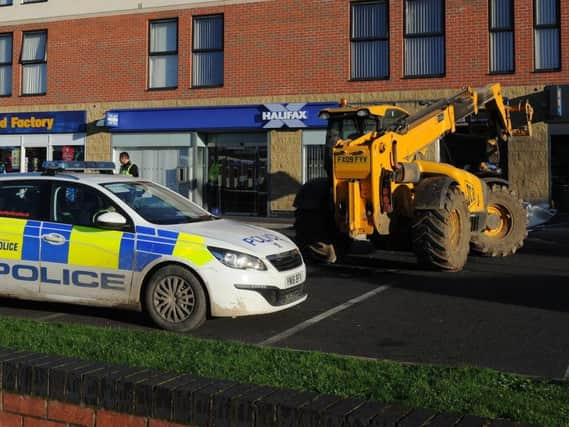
[363, 113]
[407, 173]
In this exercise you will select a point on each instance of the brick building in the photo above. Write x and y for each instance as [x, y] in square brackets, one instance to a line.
[219, 99]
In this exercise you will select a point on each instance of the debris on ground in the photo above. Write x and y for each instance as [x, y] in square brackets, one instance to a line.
[539, 214]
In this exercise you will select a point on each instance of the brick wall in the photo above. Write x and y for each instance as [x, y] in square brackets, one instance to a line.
[273, 48]
[25, 411]
[40, 390]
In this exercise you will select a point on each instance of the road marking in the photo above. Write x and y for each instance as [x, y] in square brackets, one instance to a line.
[51, 317]
[312, 321]
[566, 376]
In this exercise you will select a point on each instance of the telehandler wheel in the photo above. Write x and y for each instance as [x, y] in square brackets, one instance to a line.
[506, 226]
[441, 236]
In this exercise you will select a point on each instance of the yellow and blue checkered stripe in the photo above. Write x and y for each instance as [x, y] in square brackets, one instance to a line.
[153, 243]
[92, 247]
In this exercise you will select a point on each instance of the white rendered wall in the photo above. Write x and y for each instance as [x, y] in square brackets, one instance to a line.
[52, 10]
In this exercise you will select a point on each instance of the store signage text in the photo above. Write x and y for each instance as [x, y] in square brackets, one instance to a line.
[43, 122]
[280, 115]
[32, 122]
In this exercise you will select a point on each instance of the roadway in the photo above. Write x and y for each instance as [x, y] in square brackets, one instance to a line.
[509, 314]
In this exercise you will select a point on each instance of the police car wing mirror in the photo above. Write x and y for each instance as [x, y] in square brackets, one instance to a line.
[110, 220]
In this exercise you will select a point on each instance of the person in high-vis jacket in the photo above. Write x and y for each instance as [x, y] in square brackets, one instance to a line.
[127, 167]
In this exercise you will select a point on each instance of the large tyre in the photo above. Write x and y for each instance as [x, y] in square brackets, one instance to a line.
[441, 236]
[175, 300]
[506, 227]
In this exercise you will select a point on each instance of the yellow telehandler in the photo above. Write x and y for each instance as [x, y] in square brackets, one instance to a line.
[381, 187]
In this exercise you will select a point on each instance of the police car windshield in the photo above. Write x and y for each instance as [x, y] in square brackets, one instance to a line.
[156, 204]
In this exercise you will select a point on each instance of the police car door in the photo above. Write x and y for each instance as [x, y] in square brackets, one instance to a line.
[83, 262]
[22, 207]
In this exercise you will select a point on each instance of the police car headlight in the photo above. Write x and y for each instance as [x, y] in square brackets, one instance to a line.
[236, 259]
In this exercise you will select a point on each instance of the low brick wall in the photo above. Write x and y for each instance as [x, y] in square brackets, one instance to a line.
[53, 391]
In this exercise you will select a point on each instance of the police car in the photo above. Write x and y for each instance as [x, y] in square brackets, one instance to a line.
[117, 241]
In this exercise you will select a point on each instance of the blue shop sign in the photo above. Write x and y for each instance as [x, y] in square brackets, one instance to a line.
[43, 122]
[242, 117]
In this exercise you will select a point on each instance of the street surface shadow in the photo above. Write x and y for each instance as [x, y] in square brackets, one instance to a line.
[547, 292]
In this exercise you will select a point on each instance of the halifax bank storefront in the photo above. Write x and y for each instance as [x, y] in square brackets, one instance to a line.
[232, 160]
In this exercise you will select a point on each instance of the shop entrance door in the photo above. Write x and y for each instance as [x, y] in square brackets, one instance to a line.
[166, 166]
[237, 174]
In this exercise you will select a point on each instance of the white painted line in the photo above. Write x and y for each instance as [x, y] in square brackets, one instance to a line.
[566, 376]
[50, 317]
[312, 321]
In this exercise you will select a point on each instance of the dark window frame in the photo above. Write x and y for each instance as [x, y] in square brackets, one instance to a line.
[43, 187]
[442, 34]
[55, 183]
[33, 1]
[205, 50]
[370, 39]
[537, 27]
[23, 62]
[165, 53]
[510, 29]
[9, 64]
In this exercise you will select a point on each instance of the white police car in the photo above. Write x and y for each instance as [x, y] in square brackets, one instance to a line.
[111, 240]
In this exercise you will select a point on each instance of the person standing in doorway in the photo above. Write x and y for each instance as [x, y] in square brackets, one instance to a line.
[127, 167]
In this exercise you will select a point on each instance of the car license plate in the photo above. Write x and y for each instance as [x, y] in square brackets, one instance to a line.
[294, 280]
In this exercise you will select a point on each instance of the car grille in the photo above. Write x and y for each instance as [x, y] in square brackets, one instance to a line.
[277, 297]
[286, 260]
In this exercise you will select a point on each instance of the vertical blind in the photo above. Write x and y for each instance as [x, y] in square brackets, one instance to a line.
[315, 155]
[208, 58]
[5, 64]
[369, 44]
[34, 63]
[163, 58]
[546, 35]
[424, 38]
[501, 36]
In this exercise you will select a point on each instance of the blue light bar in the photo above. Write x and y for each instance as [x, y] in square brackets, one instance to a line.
[58, 165]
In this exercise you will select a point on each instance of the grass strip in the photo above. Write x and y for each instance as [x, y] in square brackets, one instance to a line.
[465, 390]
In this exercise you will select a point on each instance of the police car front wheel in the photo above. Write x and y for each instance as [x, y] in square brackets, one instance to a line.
[175, 299]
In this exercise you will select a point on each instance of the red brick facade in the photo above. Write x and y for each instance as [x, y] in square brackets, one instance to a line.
[272, 48]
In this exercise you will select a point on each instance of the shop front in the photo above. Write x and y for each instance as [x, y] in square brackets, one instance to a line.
[28, 139]
[226, 159]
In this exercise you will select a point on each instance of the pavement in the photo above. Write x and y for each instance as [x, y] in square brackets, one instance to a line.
[509, 314]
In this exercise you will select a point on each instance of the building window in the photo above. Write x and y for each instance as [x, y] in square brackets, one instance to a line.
[34, 63]
[163, 54]
[501, 24]
[547, 46]
[370, 40]
[424, 38]
[5, 3]
[208, 51]
[5, 64]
